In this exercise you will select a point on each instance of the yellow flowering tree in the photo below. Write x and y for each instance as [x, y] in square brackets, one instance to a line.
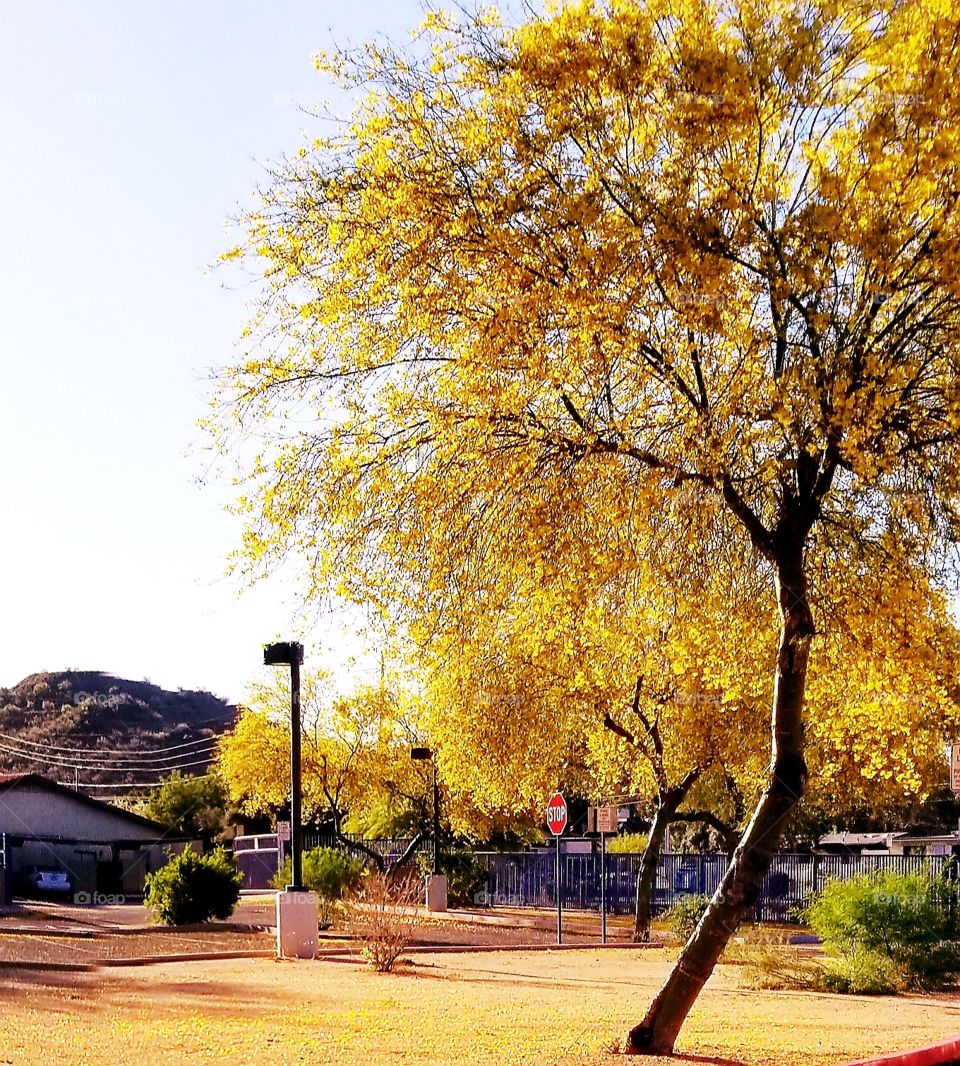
[701, 255]
[355, 752]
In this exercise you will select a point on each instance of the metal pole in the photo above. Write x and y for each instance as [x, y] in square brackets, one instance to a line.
[603, 888]
[559, 895]
[436, 819]
[296, 829]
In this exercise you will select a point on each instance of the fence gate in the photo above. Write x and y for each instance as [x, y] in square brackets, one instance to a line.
[258, 858]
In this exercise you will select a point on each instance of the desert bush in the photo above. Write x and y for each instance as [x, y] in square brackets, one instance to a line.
[684, 915]
[466, 876]
[383, 916]
[767, 960]
[907, 920]
[861, 971]
[193, 888]
[328, 872]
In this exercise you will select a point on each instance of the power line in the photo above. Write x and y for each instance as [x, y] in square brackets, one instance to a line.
[110, 762]
[146, 753]
[94, 784]
[75, 764]
[149, 755]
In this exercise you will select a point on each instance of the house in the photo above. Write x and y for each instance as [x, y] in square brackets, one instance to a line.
[105, 850]
[844, 843]
[928, 845]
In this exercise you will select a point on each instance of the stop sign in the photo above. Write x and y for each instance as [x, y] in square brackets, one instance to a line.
[557, 814]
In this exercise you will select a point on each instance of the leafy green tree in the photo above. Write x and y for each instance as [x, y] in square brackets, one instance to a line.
[194, 807]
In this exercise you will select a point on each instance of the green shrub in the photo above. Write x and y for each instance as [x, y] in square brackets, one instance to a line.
[684, 915]
[905, 919]
[193, 888]
[330, 873]
[627, 844]
[466, 876]
[861, 971]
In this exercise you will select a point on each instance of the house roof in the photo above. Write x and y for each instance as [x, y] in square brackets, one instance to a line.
[8, 782]
[856, 840]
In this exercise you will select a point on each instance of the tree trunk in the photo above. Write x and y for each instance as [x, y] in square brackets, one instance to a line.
[657, 1033]
[647, 874]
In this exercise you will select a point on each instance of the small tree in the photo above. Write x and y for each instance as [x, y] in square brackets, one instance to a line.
[189, 806]
[193, 888]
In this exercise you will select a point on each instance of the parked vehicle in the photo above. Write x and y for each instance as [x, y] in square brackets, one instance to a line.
[46, 881]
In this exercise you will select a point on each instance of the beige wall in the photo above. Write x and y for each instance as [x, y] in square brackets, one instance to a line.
[26, 810]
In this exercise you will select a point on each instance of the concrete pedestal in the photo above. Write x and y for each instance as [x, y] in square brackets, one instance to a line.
[436, 892]
[296, 925]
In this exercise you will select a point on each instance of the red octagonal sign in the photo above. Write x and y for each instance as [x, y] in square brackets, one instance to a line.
[557, 814]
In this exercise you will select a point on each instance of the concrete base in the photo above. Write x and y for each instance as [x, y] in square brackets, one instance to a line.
[296, 925]
[436, 892]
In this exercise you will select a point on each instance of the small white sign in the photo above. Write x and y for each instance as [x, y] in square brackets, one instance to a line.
[607, 820]
[955, 767]
[283, 830]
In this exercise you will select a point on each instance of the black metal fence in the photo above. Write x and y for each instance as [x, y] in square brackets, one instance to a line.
[528, 879]
[388, 848]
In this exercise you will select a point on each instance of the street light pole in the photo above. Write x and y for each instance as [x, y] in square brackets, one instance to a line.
[296, 780]
[423, 755]
[297, 906]
[275, 655]
[436, 820]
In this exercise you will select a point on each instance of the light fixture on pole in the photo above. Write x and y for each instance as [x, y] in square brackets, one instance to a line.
[283, 654]
[296, 907]
[436, 882]
[426, 754]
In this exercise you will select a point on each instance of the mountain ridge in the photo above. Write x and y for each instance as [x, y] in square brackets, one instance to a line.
[95, 728]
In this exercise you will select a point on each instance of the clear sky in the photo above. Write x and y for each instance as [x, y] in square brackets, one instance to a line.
[128, 133]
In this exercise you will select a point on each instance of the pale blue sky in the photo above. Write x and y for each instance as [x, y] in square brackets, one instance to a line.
[128, 132]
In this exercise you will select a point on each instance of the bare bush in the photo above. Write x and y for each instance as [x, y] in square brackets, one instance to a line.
[383, 917]
[767, 960]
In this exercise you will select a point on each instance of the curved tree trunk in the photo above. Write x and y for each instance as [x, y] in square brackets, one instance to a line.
[657, 1033]
[647, 874]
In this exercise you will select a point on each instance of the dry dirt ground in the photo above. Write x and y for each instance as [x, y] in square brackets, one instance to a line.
[56, 933]
[498, 1008]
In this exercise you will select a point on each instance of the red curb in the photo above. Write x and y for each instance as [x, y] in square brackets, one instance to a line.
[933, 1055]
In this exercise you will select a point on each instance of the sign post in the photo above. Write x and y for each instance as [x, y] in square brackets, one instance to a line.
[283, 837]
[557, 822]
[606, 823]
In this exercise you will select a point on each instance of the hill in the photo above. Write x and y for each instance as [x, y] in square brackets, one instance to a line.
[99, 730]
